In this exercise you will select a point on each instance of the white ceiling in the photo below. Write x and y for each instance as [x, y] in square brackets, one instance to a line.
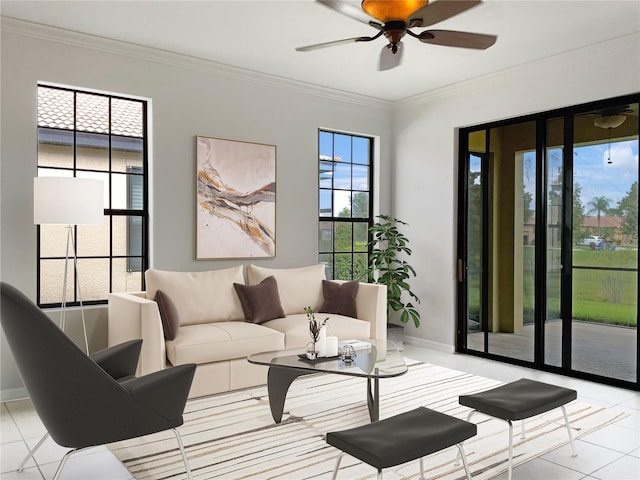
[261, 35]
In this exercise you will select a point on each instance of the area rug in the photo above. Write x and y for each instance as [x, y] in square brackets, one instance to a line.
[232, 436]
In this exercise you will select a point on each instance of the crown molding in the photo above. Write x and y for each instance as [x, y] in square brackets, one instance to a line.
[565, 59]
[165, 57]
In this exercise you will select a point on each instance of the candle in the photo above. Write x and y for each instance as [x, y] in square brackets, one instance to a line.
[322, 342]
[331, 346]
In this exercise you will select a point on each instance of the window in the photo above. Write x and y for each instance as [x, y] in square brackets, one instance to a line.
[345, 203]
[548, 240]
[94, 135]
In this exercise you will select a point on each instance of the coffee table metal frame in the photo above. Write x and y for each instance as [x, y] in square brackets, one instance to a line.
[382, 360]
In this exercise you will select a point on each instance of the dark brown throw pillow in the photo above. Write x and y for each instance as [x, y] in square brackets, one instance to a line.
[340, 298]
[168, 314]
[261, 302]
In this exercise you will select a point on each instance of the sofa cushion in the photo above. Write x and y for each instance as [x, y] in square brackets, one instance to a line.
[200, 297]
[260, 302]
[340, 298]
[168, 315]
[215, 342]
[296, 328]
[298, 287]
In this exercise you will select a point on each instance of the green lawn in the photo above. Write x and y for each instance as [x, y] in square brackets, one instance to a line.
[603, 296]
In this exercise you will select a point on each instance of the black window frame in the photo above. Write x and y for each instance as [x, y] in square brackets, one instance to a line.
[138, 261]
[334, 219]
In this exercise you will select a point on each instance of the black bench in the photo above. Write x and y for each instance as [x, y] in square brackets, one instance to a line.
[403, 438]
[519, 400]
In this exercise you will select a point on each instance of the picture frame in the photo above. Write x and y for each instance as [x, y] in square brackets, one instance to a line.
[236, 199]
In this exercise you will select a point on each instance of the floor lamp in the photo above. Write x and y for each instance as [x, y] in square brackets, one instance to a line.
[69, 201]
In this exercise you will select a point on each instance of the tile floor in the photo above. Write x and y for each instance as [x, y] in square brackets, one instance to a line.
[611, 453]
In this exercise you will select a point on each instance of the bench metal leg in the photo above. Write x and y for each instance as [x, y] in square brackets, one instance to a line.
[510, 448]
[335, 470]
[522, 437]
[566, 421]
[464, 460]
[457, 462]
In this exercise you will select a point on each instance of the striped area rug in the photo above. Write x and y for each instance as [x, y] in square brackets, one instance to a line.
[232, 436]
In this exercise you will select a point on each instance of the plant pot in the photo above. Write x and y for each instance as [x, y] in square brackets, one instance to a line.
[395, 334]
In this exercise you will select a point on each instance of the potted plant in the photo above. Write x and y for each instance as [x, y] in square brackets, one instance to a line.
[388, 266]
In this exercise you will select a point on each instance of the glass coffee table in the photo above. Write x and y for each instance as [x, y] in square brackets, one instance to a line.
[382, 360]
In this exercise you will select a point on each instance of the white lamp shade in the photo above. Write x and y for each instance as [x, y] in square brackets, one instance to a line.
[68, 201]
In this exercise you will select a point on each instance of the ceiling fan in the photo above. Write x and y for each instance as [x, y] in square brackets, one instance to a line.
[396, 18]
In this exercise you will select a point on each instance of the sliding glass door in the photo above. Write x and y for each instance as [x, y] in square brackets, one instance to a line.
[548, 241]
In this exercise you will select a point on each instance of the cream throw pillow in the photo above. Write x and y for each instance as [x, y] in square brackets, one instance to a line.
[200, 297]
[298, 287]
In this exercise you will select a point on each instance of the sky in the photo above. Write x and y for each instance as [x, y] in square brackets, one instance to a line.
[593, 172]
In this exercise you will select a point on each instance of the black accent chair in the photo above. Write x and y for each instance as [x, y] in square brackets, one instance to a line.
[89, 401]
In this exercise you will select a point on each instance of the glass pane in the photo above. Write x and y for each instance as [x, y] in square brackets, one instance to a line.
[344, 235]
[510, 323]
[326, 174]
[475, 221]
[55, 108]
[119, 191]
[123, 279]
[341, 203]
[327, 259]
[360, 237]
[360, 177]
[92, 151]
[126, 117]
[53, 241]
[342, 174]
[92, 113]
[478, 141]
[325, 203]
[126, 152]
[604, 339]
[360, 266]
[553, 319]
[360, 205]
[325, 237]
[52, 279]
[94, 278]
[342, 148]
[325, 146]
[343, 268]
[605, 256]
[55, 148]
[93, 240]
[361, 152]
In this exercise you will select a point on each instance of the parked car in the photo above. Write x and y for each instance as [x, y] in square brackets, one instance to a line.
[592, 241]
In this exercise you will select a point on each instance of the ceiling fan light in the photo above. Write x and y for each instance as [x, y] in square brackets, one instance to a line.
[609, 121]
[386, 10]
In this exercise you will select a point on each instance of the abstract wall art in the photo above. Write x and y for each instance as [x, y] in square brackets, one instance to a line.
[236, 199]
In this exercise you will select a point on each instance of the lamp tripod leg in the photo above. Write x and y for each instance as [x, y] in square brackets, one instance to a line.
[77, 277]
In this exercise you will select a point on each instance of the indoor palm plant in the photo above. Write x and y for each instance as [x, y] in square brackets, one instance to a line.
[388, 266]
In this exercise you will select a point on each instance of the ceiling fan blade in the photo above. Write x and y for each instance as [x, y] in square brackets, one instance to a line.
[388, 59]
[440, 10]
[334, 43]
[451, 38]
[350, 10]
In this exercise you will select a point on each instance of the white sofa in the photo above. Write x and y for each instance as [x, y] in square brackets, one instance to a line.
[213, 332]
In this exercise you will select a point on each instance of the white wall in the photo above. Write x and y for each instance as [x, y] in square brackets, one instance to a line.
[188, 98]
[425, 175]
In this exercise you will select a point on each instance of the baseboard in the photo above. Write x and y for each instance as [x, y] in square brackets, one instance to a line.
[431, 345]
[9, 394]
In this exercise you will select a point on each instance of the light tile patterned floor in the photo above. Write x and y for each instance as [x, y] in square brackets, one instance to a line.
[611, 453]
